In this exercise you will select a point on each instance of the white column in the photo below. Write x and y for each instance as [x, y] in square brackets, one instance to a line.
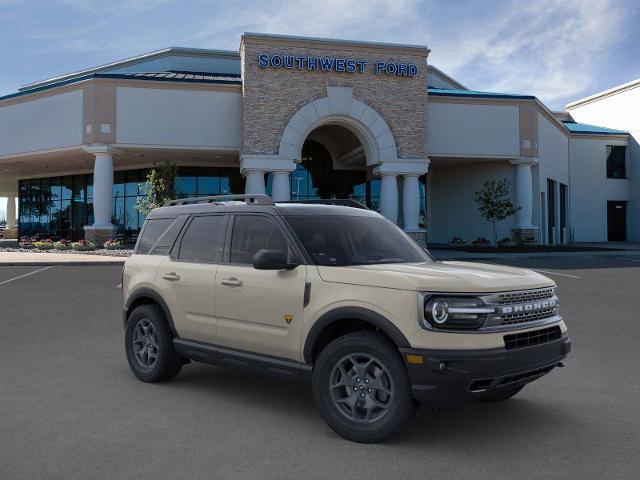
[524, 193]
[103, 189]
[411, 202]
[255, 182]
[389, 197]
[11, 212]
[280, 190]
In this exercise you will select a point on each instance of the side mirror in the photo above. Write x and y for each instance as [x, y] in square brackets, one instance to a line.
[272, 260]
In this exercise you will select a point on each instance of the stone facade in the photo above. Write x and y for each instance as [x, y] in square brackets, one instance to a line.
[98, 236]
[272, 96]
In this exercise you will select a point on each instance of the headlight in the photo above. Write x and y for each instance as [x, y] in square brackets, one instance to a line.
[455, 312]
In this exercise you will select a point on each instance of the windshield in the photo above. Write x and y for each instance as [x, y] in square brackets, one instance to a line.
[345, 240]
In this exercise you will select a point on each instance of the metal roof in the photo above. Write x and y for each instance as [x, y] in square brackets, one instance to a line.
[187, 77]
[585, 128]
[444, 92]
[134, 60]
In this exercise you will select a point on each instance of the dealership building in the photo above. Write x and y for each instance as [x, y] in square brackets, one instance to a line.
[306, 118]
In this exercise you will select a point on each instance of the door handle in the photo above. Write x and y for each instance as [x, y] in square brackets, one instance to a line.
[173, 276]
[231, 282]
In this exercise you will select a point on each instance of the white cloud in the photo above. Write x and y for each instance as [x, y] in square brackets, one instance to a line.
[547, 48]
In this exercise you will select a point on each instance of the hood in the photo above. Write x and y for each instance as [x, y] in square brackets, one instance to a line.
[462, 277]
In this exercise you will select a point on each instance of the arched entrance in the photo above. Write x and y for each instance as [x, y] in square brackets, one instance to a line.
[338, 146]
[333, 165]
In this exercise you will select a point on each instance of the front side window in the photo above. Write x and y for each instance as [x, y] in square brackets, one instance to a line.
[351, 240]
[616, 165]
[252, 233]
[203, 241]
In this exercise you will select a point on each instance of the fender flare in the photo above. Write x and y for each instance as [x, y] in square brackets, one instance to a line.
[151, 294]
[352, 313]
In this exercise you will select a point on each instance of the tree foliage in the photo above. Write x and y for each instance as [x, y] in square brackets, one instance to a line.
[160, 187]
[494, 203]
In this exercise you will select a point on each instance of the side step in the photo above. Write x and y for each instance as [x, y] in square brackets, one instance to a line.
[227, 357]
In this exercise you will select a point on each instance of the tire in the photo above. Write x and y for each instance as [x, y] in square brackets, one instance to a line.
[369, 403]
[502, 394]
[147, 331]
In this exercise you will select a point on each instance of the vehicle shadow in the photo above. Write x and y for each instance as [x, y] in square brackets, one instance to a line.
[468, 424]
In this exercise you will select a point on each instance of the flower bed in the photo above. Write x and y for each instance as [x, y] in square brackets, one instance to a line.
[124, 252]
[113, 245]
[83, 245]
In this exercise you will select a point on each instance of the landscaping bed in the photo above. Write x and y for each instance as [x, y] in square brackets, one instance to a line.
[125, 252]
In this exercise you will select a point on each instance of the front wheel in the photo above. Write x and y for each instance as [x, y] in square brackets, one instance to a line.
[149, 345]
[361, 387]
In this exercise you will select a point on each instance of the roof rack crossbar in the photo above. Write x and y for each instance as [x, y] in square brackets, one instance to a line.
[343, 202]
[250, 199]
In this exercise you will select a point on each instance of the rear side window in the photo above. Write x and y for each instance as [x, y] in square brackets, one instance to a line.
[252, 233]
[203, 241]
[151, 233]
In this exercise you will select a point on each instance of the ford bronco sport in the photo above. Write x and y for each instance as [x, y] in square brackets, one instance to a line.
[337, 296]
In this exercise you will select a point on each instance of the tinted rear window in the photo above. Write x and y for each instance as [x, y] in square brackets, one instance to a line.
[151, 233]
[203, 242]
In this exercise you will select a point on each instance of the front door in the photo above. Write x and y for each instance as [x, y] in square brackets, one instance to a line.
[187, 277]
[617, 221]
[259, 310]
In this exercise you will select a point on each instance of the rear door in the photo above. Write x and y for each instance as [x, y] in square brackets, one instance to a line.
[186, 278]
[259, 310]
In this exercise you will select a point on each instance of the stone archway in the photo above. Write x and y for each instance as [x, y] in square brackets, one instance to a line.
[339, 107]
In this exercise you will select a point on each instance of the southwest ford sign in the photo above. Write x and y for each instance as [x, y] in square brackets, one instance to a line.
[334, 64]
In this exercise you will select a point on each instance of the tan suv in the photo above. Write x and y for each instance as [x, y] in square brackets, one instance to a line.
[337, 296]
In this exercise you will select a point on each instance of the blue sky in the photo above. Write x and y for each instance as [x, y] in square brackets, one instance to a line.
[557, 50]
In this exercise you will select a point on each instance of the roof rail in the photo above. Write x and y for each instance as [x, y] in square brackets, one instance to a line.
[343, 202]
[250, 199]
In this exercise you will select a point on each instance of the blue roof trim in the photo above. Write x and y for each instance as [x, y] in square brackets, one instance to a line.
[225, 80]
[585, 128]
[444, 92]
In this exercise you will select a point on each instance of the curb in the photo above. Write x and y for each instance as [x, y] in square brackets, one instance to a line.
[88, 263]
[528, 256]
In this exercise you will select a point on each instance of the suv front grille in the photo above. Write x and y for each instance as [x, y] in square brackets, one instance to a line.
[524, 296]
[517, 318]
[534, 337]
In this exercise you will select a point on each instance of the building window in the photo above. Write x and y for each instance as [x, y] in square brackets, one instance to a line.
[616, 164]
[59, 207]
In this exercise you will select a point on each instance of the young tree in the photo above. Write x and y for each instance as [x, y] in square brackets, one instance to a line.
[494, 203]
[160, 187]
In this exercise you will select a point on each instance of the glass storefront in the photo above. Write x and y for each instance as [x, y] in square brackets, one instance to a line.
[59, 207]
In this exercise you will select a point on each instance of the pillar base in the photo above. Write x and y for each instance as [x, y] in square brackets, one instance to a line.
[418, 236]
[523, 234]
[99, 235]
[9, 233]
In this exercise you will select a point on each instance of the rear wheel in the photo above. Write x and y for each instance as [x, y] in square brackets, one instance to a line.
[149, 345]
[502, 394]
[361, 387]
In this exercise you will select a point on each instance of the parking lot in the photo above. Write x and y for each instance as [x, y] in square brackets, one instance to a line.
[71, 409]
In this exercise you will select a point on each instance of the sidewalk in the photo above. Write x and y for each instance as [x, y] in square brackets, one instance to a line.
[37, 259]
[444, 254]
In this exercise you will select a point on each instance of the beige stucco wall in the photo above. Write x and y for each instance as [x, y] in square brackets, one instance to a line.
[272, 96]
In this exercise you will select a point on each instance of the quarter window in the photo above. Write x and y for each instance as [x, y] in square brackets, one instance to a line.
[203, 242]
[252, 233]
[151, 233]
[616, 167]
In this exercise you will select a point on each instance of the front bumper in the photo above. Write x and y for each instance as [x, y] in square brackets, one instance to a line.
[450, 376]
